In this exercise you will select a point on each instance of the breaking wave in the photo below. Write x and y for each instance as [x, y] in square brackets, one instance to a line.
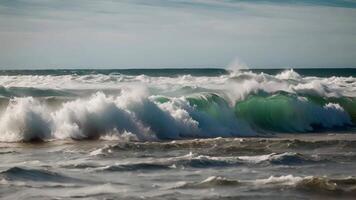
[155, 108]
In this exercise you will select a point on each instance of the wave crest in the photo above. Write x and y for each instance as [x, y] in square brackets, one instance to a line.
[241, 103]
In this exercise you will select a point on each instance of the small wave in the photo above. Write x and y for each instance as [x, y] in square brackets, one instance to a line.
[318, 185]
[8, 152]
[81, 165]
[203, 161]
[34, 175]
[328, 186]
[140, 166]
[217, 181]
[288, 158]
[312, 144]
[220, 146]
[150, 163]
[288, 180]
[134, 167]
[207, 162]
[213, 181]
[90, 191]
[188, 160]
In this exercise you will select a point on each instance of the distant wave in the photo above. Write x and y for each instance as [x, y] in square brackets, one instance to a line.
[128, 107]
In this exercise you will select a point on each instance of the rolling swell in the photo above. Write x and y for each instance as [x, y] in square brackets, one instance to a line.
[222, 105]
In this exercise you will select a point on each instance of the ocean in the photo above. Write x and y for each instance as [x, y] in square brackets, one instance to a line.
[178, 134]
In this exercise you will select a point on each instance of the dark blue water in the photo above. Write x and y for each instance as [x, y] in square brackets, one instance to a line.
[319, 72]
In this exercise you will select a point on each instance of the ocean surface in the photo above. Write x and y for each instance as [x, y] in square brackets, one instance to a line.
[178, 134]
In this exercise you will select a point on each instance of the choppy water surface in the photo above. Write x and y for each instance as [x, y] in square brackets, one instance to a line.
[296, 167]
[178, 134]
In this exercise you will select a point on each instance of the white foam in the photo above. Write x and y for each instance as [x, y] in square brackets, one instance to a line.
[256, 159]
[288, 74]
[112, 117]
[237, 84]
[280, 180]
[24, 119]
[131, 111]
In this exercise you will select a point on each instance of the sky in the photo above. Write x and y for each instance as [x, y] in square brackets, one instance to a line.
[48, 34]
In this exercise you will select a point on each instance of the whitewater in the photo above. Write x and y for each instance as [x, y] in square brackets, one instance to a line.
[163, 104]
[178, 134]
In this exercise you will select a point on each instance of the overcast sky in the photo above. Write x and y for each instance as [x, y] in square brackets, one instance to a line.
[176, 33]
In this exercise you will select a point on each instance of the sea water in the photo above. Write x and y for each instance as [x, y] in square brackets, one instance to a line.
[178, 134]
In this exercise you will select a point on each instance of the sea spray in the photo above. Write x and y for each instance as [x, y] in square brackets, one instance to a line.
[174, 106]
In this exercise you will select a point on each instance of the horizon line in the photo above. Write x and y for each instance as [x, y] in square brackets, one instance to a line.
[175, 68]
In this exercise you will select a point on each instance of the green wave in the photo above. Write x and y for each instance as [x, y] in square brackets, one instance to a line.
[279, 112]
[347, 103]
[209, 103]
[285, 112]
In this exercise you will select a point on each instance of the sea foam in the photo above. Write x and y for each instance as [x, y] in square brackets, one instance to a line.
[116, 106]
